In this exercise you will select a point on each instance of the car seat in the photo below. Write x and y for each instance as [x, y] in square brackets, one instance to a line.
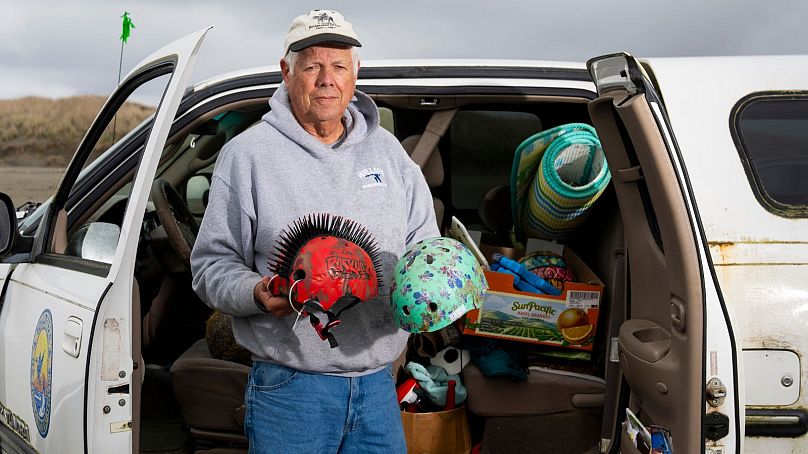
[495, 212]
[210, 394]
[433, 173]
[174, 319]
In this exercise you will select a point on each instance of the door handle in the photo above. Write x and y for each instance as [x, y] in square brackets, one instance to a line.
[71, 342]
[644, 340]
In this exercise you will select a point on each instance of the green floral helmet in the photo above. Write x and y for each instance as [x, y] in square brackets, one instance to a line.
[436, 282]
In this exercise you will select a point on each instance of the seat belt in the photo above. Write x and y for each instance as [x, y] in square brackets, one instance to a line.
[435, 128]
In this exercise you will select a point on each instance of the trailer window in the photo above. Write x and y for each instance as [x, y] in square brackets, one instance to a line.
[771, 134]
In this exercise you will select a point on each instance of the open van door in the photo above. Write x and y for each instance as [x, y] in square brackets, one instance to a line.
[677, 349]
[69, 313]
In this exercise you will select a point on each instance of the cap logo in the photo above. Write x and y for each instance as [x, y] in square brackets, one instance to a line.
[323, 21]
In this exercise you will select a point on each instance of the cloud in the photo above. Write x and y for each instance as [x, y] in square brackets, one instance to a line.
[22, 83]
[73, 48]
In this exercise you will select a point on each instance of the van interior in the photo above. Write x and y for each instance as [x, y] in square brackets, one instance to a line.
[191, 401]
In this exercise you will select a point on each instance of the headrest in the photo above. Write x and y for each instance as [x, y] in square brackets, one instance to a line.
[495, 209]
[433, 169]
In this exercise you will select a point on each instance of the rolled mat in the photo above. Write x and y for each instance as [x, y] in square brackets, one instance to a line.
[557, 176]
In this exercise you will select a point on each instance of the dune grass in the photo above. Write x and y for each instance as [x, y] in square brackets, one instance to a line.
[42, 132]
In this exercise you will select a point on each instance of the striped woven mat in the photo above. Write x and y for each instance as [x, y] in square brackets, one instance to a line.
[557, 175]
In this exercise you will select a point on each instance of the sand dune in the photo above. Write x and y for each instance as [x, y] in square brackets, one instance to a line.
[38, 136]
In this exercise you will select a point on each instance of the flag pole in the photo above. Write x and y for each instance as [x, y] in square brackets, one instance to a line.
[115, 118]
[120, 64]
[126, 30]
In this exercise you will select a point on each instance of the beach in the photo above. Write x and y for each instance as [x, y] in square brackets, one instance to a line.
[29, 184]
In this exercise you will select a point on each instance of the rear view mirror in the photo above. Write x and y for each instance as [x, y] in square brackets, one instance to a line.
[8, 224]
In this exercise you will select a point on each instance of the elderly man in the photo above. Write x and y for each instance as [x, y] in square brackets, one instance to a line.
[319, 150]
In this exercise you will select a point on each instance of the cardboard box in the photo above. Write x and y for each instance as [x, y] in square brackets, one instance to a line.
[507, 313]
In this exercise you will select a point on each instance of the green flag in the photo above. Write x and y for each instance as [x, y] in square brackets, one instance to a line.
[127, 26]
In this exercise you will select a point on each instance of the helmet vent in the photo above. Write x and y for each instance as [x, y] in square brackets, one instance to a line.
[433, 307]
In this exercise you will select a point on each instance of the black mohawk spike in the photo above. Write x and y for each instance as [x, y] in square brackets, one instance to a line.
[310, 226]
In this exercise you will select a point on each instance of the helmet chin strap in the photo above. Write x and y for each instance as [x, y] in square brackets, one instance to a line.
[299, 311]
[310, 306]
[333, 319]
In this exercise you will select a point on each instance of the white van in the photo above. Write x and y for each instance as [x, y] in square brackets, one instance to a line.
[701, 241]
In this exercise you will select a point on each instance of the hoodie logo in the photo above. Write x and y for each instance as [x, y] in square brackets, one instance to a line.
[371, 177]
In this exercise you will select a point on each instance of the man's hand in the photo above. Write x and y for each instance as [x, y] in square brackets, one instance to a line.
[275, 305]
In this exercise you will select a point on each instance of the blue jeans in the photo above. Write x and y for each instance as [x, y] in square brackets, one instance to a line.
[289, 411]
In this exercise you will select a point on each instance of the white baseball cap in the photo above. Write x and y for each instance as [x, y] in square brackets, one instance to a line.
[319, 26]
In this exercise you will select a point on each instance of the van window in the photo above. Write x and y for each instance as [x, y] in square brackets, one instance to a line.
[771, 134]
[483, 143]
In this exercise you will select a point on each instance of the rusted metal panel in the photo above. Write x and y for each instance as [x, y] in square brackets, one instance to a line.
[112, 350]
[729, 253]
[770, 302]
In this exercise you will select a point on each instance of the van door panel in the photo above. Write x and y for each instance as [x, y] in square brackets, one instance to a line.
[88, 391]
[679, 335]
[759, 253]
[659, 361]
[25, 304]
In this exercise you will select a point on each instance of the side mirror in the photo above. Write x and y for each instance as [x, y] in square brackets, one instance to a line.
[8, 225]
[94, 241]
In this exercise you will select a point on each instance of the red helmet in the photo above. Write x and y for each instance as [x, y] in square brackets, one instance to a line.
[321, 260]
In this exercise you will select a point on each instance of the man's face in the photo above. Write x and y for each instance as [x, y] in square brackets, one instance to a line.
[321, 85]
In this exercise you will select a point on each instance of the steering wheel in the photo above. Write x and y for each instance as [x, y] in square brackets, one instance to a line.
[178, 222]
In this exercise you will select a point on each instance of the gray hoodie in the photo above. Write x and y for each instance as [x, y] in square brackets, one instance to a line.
[275, 173]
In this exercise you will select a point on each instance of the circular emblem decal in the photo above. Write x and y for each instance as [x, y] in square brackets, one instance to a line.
[41, 372]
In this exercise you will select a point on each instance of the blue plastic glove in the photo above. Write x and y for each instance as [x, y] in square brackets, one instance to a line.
[518, 283]
[526, 276]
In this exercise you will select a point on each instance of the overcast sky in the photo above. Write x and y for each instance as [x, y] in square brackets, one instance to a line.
[63, 48]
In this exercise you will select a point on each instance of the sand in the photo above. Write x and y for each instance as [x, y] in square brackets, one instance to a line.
[29, 184]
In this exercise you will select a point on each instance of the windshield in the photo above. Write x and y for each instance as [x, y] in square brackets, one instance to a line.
[29, 223]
